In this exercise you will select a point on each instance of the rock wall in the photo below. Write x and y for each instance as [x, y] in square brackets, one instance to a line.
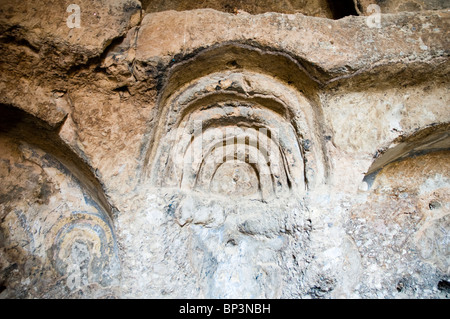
[319, 8]
[272, 151]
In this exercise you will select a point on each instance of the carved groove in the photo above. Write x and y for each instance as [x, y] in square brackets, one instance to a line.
[226, 121]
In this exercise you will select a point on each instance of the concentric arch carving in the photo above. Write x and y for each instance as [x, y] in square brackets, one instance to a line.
[240, 121]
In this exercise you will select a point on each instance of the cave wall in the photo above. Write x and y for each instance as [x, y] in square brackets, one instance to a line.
[273, 151]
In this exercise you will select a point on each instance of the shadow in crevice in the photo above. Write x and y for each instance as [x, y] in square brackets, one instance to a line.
[341, 9]
[21, 126]
[332, 9]
[427, 140]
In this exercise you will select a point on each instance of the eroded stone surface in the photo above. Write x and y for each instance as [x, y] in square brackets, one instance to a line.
[394, 6]
[55, 237]
[188, 155]
[319, 8]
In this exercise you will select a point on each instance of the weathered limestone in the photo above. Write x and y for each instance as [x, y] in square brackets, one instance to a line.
[394, 6]
[319, 8]
[208, 154]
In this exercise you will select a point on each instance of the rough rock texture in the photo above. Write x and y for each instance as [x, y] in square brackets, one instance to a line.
[394, 6]
[209, 154]
[319, 8]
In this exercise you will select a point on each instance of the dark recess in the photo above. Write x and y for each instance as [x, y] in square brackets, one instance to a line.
[338, 8]
[444, 285]
[342, 8]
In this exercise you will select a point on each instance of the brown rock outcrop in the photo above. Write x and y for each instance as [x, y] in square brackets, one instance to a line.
[266, 152]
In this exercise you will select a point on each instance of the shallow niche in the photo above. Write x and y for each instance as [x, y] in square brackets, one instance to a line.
[233, 124]
[237, 137]
[56, 233]
[416, 170]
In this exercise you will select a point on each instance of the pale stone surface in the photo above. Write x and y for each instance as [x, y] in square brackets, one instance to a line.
[205, 154]
[332, 46]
